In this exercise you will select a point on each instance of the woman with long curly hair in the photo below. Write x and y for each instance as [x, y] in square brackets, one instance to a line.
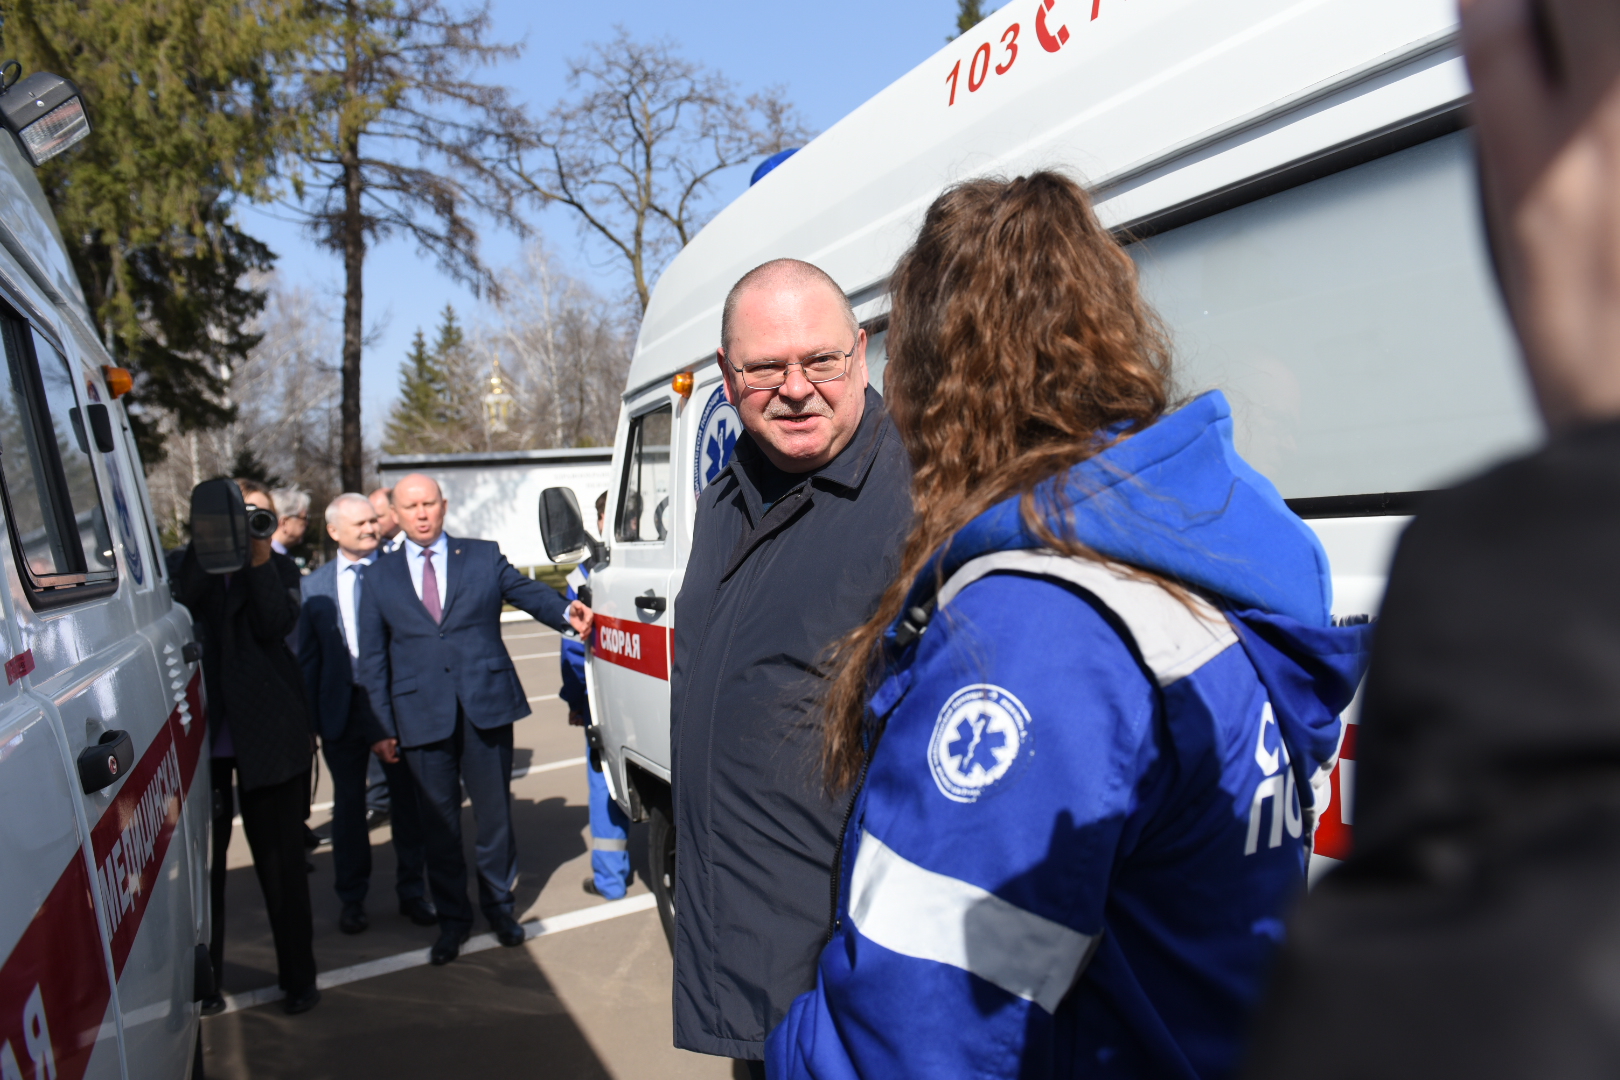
[1081, 723]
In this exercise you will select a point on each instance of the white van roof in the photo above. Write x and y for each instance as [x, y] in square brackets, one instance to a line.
[29, 233]
[1151, 103]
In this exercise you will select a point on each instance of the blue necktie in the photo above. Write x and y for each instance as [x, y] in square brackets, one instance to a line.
[359, 577]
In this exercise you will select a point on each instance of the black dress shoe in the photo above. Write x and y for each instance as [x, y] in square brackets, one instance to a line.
[353, 920]
[376, 818]
[590, 887]
[301, 1002]
[507, 931]
[419, 911]
[312, 839]
[448, 947]
[213, 1006]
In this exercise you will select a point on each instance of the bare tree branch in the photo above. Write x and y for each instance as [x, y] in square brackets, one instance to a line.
[635, 148]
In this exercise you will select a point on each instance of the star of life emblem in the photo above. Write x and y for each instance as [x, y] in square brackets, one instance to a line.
[718, 428]
[982, 734]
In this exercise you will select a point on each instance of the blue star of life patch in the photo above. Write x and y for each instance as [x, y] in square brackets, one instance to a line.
[982, 734]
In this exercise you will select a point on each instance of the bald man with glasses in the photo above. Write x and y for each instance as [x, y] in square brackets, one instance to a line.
[794, 543]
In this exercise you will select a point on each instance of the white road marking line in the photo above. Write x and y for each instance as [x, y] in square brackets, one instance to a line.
[521, 637]
[613, 909]
[517, 774]
[537, 655]
[545, 697]
[550, 766]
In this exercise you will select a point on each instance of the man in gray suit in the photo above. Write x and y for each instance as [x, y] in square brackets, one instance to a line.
[328, 647]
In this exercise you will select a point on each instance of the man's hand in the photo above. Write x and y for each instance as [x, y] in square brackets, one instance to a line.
[1546, 77]
[580, 618]
[388, 750]
[259, 552]
[576, 718]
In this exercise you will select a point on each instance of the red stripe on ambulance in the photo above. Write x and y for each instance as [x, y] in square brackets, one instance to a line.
[53, 987]
[133, 834]
[638, 646]
[1333, 832]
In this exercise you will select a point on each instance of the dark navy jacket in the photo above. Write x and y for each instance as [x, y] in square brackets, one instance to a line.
[763, 597]
[416, 671]
[323, 653]
[1083, 821]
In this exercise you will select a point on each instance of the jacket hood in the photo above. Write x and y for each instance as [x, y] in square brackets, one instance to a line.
[1178, 500]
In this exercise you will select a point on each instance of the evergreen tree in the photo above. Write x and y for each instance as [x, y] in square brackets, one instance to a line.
[181, 93]
[440, 409]
[399, 140]
[969, 13]
[419, 412]
[248, 465]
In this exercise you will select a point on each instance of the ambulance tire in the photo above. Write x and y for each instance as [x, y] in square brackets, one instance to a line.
[661, 861]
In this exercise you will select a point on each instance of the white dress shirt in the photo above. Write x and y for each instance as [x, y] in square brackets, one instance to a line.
[347, 571]
[441, 568]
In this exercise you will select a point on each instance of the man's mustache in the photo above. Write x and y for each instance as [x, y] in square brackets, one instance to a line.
[813, 406]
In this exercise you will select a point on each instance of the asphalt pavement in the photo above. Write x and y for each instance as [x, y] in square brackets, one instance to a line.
[587, 996]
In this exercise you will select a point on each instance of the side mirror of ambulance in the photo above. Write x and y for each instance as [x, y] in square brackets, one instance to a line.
[562, 529]
[219, 528]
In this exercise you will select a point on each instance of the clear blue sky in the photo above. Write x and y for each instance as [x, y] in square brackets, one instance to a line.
[831, 55]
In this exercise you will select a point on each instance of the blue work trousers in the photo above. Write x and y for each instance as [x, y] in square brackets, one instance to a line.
[610, 838]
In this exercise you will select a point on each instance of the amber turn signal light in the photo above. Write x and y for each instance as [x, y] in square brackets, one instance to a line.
[119, 380]
[682, 384]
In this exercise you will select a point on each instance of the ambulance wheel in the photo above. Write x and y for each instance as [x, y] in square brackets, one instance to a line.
[661, 859]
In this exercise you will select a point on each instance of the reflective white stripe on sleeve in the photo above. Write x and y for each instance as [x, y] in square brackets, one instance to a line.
[918, 913]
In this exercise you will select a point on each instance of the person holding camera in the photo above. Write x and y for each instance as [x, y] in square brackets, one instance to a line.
[259, 730]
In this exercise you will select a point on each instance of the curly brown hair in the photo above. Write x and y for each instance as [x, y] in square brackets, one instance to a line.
[1017, 335]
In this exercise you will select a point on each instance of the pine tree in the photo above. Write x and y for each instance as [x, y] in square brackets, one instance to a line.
[419, 413]
[182, 97]
[441, 404]
[969, 13]
[247, 464]
[401, 140]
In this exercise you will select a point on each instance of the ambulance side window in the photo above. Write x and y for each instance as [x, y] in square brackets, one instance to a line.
[52, 498]
[644, 510]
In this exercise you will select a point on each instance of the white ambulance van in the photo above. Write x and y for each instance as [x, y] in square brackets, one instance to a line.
[104, 787]
[1295, 181]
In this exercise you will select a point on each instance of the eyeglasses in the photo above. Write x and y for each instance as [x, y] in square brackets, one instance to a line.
[771, 374]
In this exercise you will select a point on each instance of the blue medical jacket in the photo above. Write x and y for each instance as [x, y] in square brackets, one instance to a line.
[1089, 802]
[573, 653]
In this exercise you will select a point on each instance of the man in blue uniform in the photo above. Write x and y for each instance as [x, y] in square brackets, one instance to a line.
[610, 855]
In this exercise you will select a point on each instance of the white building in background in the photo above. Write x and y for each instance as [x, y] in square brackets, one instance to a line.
[496, 496]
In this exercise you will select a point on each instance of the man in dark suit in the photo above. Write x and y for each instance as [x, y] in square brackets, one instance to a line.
[446, 694]
[328, 649]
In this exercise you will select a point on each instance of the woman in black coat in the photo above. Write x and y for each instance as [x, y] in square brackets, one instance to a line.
[259, 729]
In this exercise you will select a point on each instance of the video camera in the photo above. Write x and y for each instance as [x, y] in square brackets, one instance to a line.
[222, 525]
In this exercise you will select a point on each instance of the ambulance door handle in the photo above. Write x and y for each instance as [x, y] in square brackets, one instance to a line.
[105, 762]
[648, 601]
